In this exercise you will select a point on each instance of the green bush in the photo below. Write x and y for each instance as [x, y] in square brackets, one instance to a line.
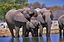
[6, 7]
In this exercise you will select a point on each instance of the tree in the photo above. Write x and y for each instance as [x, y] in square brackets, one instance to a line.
[21, 1]
[13, 1]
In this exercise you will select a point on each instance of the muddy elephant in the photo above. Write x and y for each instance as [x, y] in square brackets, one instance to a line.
[61, 25]
[15, 19]
[46, 21]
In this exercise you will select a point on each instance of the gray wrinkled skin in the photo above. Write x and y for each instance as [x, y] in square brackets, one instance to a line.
[15, 19]
[26, 14]
[29, 25]
[40, 18]
[33, 24]
[15, 15]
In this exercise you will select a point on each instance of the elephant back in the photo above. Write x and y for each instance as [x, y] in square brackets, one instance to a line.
[15, 15]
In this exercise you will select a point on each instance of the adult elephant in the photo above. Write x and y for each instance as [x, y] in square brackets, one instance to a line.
[61, 25]
[47, 18]
[15, 19]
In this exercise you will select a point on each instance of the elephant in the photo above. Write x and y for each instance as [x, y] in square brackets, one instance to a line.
[47, 18]
[15, 19]
[61, 25]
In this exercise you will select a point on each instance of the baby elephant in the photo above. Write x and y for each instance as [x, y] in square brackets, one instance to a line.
[61, 25]
[33, 26]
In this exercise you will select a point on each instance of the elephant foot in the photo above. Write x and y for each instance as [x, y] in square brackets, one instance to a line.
[26, 35]
[17, 36]
[47, 35]
[36, 35]
[13, 36]
[33, 35]
[40, 35]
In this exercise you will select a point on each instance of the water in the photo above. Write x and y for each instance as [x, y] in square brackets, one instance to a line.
[52, 38]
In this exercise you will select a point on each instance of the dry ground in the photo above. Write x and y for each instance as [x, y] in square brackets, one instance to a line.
[6, 32]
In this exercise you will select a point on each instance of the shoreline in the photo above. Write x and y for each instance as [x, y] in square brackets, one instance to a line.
[6, 32]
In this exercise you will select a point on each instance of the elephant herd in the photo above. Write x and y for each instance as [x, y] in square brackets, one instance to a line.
[31, 20]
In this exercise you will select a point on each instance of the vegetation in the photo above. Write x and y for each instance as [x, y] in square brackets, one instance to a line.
[6, 7]
[13, 1]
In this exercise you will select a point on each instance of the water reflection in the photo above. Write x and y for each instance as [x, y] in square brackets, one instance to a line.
[30, 39]
[17, 40]
[61, 39]
[52, 38]
[25, 39]
[14, 40]
[48, 39]
[40, 39]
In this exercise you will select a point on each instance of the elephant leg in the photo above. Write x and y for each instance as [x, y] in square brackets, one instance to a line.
[36, 32]
[32, 31]
[60, 31]
[24, 29]
[12, 33]
[47, 31]
[10, 26]
[17, 27]
[27, 33]
[17, 31]
[41, 31]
